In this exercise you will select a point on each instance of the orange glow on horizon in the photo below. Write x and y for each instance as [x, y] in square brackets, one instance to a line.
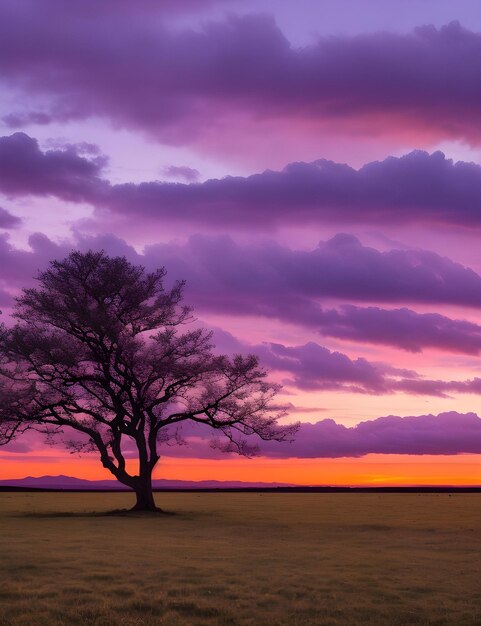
[370, 470]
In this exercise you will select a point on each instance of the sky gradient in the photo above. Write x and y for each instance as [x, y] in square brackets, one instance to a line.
[312, 171]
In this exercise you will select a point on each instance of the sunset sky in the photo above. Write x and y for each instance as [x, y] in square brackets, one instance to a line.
[311, 168]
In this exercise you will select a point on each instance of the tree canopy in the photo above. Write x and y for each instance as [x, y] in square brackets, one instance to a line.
[101, 358]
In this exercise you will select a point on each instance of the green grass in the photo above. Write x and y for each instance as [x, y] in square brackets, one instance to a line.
[229, 559]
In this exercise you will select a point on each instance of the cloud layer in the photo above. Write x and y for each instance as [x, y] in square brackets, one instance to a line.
[272, 281]
[307, 367]
[236, 71]
[447, 433]
[418, 188]
[444, 434]
[312, 367]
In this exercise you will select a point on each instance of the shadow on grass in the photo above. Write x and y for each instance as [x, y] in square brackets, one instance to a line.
[115, 513]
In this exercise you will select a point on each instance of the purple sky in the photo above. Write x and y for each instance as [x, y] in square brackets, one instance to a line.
[312, 169]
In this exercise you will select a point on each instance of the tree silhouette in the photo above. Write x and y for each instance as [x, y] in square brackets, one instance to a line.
[100, 348]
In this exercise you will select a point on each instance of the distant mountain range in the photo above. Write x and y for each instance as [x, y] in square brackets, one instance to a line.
[69, 482]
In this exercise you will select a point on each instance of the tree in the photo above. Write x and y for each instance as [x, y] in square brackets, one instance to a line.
[100, 350]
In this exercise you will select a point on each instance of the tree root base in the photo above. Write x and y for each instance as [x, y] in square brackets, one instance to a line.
[139, 512]
[156, 510]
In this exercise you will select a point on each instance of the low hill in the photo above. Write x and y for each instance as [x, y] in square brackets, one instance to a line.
[69, 482]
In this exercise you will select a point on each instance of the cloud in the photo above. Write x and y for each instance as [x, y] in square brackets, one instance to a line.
[444, 434]
[339, 268]
[310, 366]
[439, 388]
[7, 220]
[418, 188]
[448, 433]
[275, 282]
[401, 328]
[16, 120]
[20, 267]
[183, 172]
[313, 367]
[26, 170]
[242, 68]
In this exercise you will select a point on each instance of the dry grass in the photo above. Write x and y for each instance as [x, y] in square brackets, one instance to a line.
[241, 559]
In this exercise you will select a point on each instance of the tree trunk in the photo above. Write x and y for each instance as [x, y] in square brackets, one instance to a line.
[144, 495]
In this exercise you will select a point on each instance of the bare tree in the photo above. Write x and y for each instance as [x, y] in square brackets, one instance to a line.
[100, 348]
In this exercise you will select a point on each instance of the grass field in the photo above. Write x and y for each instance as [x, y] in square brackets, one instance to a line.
[243, 558]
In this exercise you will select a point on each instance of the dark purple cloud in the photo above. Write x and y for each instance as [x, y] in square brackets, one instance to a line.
[276, 282]
[444, 434]
[16, 120]
[310, 366]
[7, 220]
[19, 267]
[401, 328]
[223, 272]
[439, 388]
[340, 268]
[314, 367]
[415, 188]
[225, 278]
[27, 170]
[93, 9]
[176, 84]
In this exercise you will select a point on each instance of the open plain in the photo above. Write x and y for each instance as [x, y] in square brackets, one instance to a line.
[241, 558]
